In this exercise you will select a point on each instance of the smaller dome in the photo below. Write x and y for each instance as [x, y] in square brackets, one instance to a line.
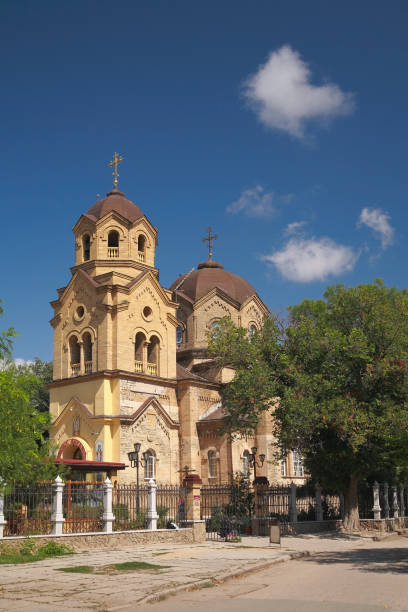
[115, 201]
[209, 275]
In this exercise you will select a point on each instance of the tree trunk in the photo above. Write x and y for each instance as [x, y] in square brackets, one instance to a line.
[351, 520]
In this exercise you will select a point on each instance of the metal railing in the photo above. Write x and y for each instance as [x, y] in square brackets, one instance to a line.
[27, 510]
[82, 506]
[129, 506]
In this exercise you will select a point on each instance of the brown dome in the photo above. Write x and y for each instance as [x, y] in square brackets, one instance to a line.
[209, 275]
[115, 200]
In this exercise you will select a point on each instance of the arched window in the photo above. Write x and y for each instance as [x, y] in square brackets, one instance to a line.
[75, 355]
[283, 466]
[141, 243]
[245, 464]
[297, 464]
[139, 344]
[113, 244]
[179, 335]
[212, 464]
[149, 464]
[86, 247]
[153, 351]
[252, 332]
[87, 340]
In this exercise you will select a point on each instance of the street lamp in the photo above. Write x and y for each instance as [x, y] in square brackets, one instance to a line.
[134, 462]
[252, 460]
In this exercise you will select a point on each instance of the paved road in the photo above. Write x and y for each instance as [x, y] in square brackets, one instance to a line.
[364, 577]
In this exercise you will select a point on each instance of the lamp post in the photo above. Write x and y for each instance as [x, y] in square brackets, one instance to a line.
[252, 459]
[134, 462]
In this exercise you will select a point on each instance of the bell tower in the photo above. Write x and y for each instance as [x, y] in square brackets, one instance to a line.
[114, 324]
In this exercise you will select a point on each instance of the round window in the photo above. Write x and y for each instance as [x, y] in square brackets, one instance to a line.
[147, 313]
[79, 313]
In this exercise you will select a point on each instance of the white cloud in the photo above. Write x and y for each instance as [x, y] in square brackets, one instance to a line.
[378, 221]
[284, 98]
[305, 260]
[294, 228]
[254, 203]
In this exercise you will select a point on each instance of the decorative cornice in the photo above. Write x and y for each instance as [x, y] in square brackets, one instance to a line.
[170, 382]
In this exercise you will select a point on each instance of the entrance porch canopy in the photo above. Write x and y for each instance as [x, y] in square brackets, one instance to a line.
[82, 465]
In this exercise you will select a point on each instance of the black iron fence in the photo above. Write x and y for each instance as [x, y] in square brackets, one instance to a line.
[27, 510]
[82, 507]
[227, 510]
[129, 506]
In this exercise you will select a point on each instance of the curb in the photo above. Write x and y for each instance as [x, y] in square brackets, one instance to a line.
[199, 584]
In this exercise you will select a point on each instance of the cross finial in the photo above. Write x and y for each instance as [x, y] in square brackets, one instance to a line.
[210, 238]
[117, 159]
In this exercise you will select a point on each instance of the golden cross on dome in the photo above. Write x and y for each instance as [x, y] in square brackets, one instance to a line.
[210, 239]
[117, 159]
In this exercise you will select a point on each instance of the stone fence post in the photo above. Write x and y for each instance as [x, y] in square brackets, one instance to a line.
[386, 502]
[107, 516]
[395, 508]
[152, 515]
[57, 517]
[402, 502]
[376, 499]
[192, 484]
[318, 497]
[2, 521]
[293, 515]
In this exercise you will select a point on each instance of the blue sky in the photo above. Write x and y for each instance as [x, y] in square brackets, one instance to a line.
[281, 124]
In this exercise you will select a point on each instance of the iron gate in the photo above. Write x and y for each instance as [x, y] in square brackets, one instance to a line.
[227, 510]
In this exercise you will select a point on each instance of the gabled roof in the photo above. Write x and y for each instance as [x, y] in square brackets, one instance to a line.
[150, 401]
[184, 374]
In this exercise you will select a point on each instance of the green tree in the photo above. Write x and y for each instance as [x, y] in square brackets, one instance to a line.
[38, 375]
[341, 372]
[24, 453]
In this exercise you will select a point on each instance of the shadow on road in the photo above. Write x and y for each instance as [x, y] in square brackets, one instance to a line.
[382, 560]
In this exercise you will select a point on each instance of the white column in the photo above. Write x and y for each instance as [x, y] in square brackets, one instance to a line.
[292, 504]
[319, 509]
[107, 516]
[386, 502]
[2, 521]
[395, 508]
[57, 516]
[81, 358]
[152, 515]
[376, 498]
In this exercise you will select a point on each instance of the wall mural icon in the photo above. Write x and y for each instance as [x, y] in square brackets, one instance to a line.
[99, 451]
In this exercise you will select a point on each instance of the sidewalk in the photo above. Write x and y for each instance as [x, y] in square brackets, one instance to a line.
[41, 587]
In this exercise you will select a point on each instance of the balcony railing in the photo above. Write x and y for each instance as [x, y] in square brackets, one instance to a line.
[75, 369]
[88, 367]
[141, 256]
[113, 251]
[138, 366]
[152, 369]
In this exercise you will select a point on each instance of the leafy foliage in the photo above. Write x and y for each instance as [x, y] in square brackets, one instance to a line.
[25, 453]
[340, 369]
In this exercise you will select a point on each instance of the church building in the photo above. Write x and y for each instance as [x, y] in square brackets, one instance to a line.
[130, 359]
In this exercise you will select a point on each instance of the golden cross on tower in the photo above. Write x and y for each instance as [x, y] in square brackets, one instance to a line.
[117, 159]
[210, 239]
